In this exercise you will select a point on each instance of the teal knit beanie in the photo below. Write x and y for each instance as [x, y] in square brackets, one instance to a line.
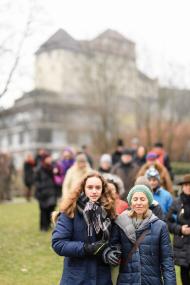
[140, 188]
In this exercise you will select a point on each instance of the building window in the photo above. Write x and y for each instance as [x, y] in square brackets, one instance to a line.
[9, 137]
[44, 135]
[21, 138]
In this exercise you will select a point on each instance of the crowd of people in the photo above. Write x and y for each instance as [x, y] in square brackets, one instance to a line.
[117, 213]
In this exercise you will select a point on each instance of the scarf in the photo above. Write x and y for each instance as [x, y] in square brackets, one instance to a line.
[96, 219]
[136, 222]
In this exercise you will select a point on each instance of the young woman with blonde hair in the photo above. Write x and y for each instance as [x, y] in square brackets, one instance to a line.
[82, 232]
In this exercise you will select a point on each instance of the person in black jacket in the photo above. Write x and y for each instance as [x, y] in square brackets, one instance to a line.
[45, 191]
[116, 155]
[28, 175]
[179, 224]
[127, 170]
[140, 157]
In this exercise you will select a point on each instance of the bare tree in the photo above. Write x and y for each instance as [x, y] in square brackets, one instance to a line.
[145, 101]
[173, 104]
[16, 59]
[14, 36]
[170, 107]
[102, 82]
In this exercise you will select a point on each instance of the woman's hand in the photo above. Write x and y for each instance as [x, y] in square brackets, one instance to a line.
[112, 255]
[95, 248]
[185, 229]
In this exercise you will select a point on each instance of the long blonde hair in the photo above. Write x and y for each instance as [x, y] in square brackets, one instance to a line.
[68, 204]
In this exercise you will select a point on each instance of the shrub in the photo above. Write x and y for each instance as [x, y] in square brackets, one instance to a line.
[180, 168]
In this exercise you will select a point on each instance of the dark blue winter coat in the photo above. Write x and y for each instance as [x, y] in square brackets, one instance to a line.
[152, 261]
[68, 240]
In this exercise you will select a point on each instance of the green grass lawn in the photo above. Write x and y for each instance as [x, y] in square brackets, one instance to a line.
[26, 257]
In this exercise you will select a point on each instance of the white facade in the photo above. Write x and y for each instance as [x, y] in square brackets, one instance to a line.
[69, 73]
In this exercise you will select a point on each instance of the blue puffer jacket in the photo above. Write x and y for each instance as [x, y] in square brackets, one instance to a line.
[152, 262]
[68, 240]
[164, 198]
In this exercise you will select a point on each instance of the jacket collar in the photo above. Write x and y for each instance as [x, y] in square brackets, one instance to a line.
[125, 223]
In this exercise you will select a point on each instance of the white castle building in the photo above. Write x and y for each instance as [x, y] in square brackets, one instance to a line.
[56, 112]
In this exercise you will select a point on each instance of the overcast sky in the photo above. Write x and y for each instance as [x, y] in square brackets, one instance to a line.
[160, 29]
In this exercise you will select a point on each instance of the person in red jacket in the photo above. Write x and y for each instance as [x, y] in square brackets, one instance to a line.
[120, 205]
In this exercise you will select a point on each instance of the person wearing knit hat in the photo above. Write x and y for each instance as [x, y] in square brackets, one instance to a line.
[140, 236]
[161, 195]
[152, 161]
[106, 158]
[155, 207]
[105, 163]
[140, 188]
[151, 156]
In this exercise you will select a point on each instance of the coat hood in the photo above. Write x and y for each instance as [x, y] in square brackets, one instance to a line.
[124, 221]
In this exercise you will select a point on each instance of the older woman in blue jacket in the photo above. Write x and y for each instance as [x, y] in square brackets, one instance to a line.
[145, 244]
[82, 232]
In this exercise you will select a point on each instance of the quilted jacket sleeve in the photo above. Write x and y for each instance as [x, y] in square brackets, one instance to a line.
[166, 258]
[62, 242]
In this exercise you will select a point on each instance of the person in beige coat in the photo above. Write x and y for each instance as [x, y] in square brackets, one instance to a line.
[76, 172]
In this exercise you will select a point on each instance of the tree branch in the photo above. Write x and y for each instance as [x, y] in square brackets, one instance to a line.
[17, 56]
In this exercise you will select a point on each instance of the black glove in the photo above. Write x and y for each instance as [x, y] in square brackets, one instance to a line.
[95, 248]
[112, 255]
